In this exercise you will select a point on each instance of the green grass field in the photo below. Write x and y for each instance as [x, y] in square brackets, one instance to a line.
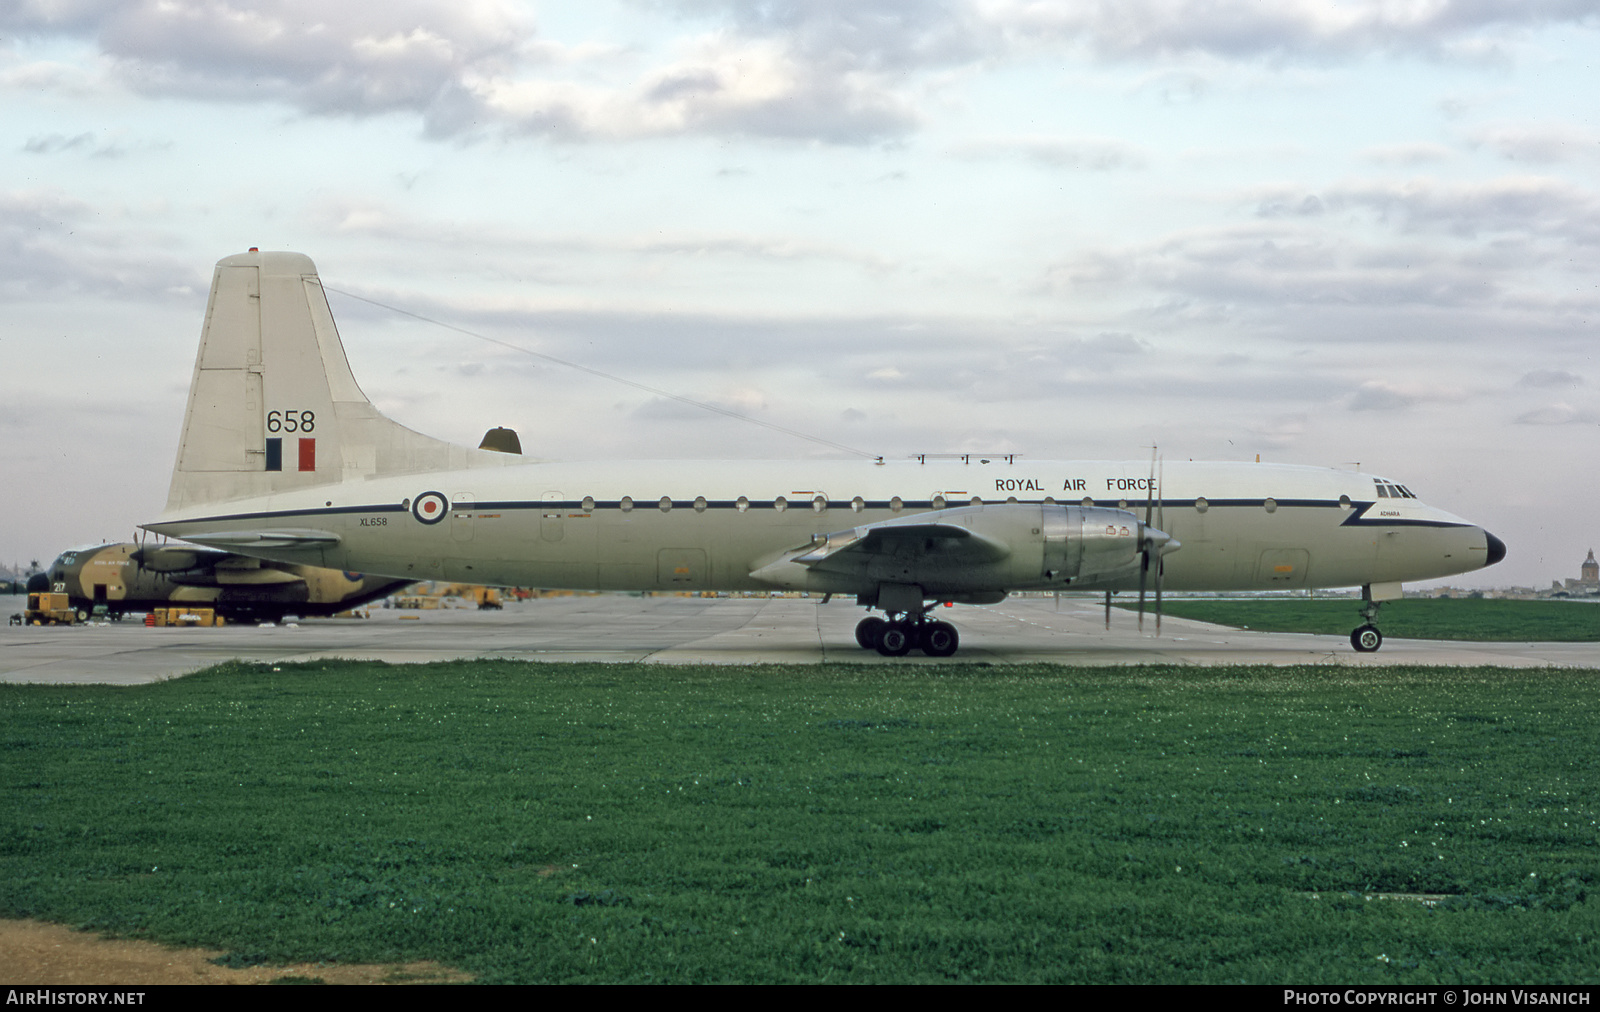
[562, 823]
[1432, 619]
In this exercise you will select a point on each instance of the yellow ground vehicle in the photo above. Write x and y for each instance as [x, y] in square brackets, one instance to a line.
[49, 609]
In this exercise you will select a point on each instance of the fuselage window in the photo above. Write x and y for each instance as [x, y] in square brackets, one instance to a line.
[1087, 502]
[1049, 500]
[1271, 505]
[1383, 491]
[699, 504]
[895, 505]
[743, 505]
[1200, 504]
[819, 504]
[1011, 500]
[780, 504]
[938, 502]
[1344, 502]
[977, 500]
[858, 504]
[588, 504]
[626, 504]
[665, 503]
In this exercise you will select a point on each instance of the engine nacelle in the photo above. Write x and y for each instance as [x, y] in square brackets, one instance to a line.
[1081, 542]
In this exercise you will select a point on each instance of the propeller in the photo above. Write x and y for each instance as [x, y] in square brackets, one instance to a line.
[1161, 524]
[1153, 540]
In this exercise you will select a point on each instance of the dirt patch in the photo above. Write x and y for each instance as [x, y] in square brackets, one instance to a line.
[32, 952]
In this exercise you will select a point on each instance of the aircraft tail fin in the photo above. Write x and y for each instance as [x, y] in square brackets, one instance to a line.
[273, 405]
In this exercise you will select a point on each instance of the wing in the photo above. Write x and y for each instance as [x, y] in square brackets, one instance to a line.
[912, 542]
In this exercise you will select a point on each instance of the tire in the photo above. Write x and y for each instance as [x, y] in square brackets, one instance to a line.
[940, 639]
[895, 639]
[83, 616]
[867, 632]
[1366, 639]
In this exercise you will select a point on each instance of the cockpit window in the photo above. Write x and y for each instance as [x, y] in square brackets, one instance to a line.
[1389, 490]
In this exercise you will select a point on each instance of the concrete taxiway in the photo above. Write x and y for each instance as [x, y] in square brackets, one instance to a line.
[678, 630]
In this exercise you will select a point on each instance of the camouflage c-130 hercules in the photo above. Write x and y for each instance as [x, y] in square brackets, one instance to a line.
[122, 578]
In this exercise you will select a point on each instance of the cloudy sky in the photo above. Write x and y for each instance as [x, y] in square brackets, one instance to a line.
[1323, 232]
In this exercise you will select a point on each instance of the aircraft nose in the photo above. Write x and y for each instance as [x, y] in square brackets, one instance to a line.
[1497, 549]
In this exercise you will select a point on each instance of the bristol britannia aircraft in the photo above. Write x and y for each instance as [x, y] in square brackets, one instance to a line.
[282, 457]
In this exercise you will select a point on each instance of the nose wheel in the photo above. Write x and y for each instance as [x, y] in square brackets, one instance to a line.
[1366, 639]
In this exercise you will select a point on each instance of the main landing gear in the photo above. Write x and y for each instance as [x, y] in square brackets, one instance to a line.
[901, 633]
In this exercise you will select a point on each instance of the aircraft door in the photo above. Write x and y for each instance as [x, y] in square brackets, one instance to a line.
[681, 568]
[1283, 567]
[462, 509]
[550, 519]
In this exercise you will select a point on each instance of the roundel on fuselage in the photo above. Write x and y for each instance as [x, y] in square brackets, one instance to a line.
[430, 507]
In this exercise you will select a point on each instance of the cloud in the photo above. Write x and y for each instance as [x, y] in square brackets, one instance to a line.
[1095, 154]
[1510, 254]
[1559, 413]
[879, 36]
[470, 65]
[1549, 378]
[1254, 28]
[1273, 265]
[1279, 432]
[89, 144]
[51, 243]
[556, 257]
[838, 71]
[1407, 154]
[1527, 205]
[722, 84]
[1382, 395]
[1541, 143]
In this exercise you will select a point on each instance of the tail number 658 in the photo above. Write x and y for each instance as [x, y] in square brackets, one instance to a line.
[291, 421]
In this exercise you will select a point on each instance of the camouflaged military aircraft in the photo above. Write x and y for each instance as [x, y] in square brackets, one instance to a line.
[282, 457]
[118, 579]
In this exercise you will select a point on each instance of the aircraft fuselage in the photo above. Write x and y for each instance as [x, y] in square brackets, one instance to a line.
[692, 525]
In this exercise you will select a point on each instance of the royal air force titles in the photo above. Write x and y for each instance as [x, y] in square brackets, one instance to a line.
[1076, 485]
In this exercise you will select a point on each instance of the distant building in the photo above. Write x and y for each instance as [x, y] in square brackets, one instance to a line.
[1588, 581]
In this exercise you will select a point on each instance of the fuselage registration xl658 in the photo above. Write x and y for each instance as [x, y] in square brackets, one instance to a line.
[283, 457]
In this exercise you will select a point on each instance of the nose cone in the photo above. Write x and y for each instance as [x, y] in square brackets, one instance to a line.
[1497, 549]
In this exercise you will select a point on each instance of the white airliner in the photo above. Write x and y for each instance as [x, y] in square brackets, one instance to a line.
[283, 457]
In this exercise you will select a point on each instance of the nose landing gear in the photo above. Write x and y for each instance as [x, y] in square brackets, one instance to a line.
[904, 632]
[1366, 638]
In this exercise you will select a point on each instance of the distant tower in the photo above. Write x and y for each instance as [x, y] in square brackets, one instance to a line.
[1590, 573]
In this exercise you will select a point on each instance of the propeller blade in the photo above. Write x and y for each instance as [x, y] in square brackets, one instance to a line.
[1144, 572]
[1108, 611]
[1161, 523]
[1144, 541]
[1160, 565]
